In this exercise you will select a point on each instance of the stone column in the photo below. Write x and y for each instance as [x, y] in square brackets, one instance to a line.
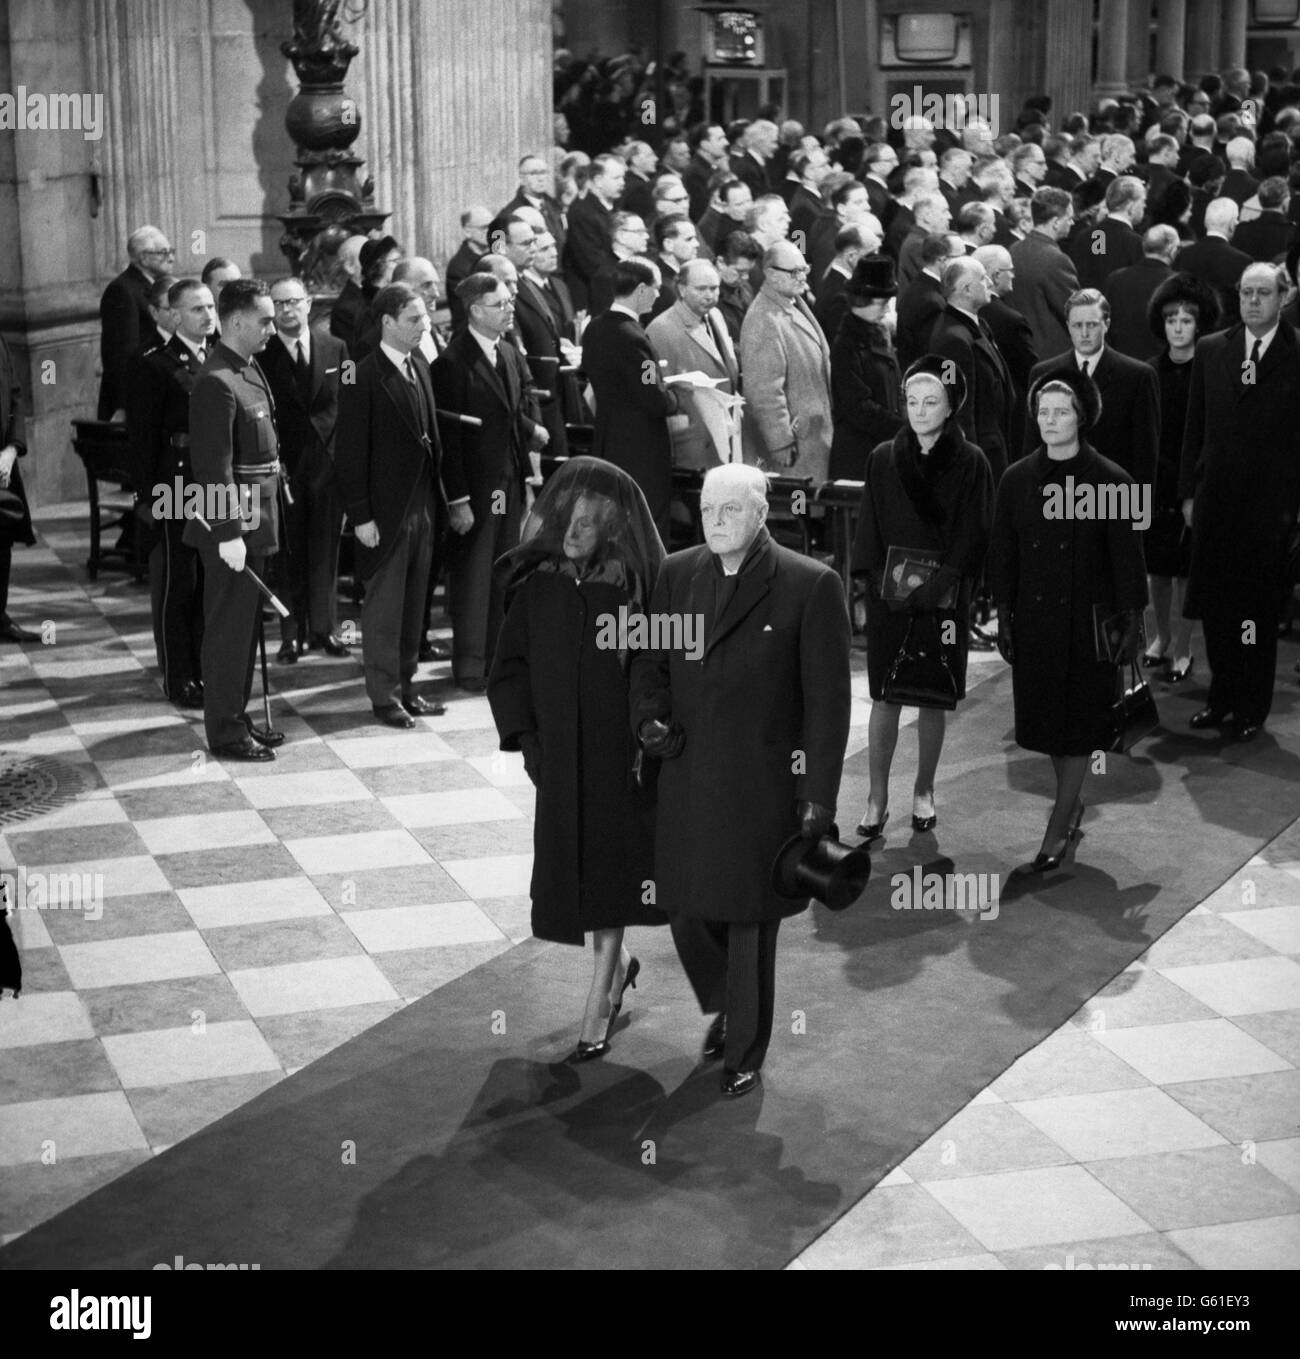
[1236, 15]
[1202, 38]
[1112, 49]
[1067, 43]
[1171, 36]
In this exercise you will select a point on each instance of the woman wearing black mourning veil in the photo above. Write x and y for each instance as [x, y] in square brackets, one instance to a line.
[558, 691]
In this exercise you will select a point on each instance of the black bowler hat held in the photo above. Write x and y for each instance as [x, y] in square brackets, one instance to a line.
[825, 869]
[11, 509]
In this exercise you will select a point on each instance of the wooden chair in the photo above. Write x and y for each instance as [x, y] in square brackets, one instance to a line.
[106, 455]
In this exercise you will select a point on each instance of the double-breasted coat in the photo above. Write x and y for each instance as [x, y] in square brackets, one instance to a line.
[1049, 573]
[765, 710]
[1241, 462]
[593, 832]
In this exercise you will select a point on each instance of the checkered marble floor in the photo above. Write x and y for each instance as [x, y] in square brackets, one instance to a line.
[255, 917]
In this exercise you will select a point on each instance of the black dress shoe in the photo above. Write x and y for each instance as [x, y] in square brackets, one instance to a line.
[434, 651]
[1247, 731]
[586, 1052]
[739, 1082]
[394, 715]
[981, 641]
[716, 1039]
[247, 749]
[264, 736]
[14, 632]
[422, 707]
[472, 686]
[287, 654]
[189, 695]
[331, 646]
[1207, 717]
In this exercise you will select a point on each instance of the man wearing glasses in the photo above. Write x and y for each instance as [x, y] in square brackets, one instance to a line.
[304, 368]
[536, 190]
[124, 315]
[787, 366]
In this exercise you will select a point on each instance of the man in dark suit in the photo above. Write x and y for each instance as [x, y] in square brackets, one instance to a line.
[474, 224]
[831, 290]
[162, 324]
[922, 301]
[591, 230]
[1011, 334]
[850, 206]
[676, 243]
[387, 461]
[632, 403]
[960, 335]
[807, 206]
[15, 517]
[124, 315]
[1269, 236]
[1128, 429]
[1240, 483]
[1129, 290]
[638, 196]
[1213, 260]
[235, 460]
[708, 143]
[751, 165]
[535, 181]
[485, 467]
[1113, 243]
[540, 331]
[1045, 276]
[351, 300]
[1239, 184]
[730, 793]
[304, 368]
[879, 161]
[158, 424]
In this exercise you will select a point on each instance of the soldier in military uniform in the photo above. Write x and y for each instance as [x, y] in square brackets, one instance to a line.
[158, 420]
[236, 469]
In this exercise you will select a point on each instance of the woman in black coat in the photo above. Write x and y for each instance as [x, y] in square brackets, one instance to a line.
[1049, 575]
[1182, 309]
[865, 386]
[558, 692]
[928, 490]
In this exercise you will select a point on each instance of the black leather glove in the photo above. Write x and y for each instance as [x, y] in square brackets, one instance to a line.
[925, 598]
[531, 747]
[663, 740]
[1005, 648]
[814, 819]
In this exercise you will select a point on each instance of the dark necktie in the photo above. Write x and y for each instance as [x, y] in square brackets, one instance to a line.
[1254, 355]
[303, 373]
[1083, 368]
[422, 410]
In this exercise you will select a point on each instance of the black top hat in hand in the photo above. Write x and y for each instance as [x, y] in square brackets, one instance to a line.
[826, 869]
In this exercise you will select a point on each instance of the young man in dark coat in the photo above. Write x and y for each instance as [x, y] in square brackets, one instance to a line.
[387, 461]
[632, 403]
[741, 772]
[1241, 487]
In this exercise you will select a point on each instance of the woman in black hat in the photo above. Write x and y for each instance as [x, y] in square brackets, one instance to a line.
[1182, 310]
[588, 559]
[1052, 575]
[928, 495]
[865, 402]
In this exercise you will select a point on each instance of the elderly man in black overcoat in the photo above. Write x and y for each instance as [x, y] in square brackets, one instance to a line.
[1241, 487]
[751, 733]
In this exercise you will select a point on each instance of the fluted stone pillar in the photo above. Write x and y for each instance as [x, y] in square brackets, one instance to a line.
[1171, 37]
[1068, 45]
[1236, 15]
[1112, 49]
[1203, 32]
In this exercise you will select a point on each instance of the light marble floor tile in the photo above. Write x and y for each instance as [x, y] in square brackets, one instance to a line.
[505, 769]
[1118, 1123]
[162, 771]
[1242, 988]
[1266, 1243]
[43, 1017]
[1139, 997]
[215, 830]
[403, 927]
[1276, 1029]
[1281, 1157]
[1068, 1062]
[1276, 926]
[982, 1141]
[251, 903]
[894, 1226]
[412, 747]
[304, 790]
[1123, 1254]
[505, 875]
[293, 987]
[1035, 1207]
[1245, 1108]
[96, 807]
[141, 958]
[1201, 1050]
[452, 808]
[173, 1056]
[352, 853]
[127, 876]
[78, 1125]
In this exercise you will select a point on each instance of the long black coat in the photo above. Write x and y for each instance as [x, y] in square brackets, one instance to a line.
[593, 834]
[1129, 426]
[1241, 462]
[985, 418]
[773, 684]
[903, 497]
[540, 333]
[1048, 573]
[866, 402]
[124, 321]
[1128, 291]
[13, 430]
[1015, 342]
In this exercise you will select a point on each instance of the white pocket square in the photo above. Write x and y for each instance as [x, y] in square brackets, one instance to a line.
[331, 370]
[767, 627]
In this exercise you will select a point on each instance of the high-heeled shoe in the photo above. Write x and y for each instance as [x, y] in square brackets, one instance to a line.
[1049, 863]
[1177, 676]
[873, 831]
[921, 824]
[629, 979]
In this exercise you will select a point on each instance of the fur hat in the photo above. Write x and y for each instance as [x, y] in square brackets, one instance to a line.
[944, 371]
[1086, 395]
[1187, 291]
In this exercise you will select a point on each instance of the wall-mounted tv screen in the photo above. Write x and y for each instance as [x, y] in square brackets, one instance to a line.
[926, 39]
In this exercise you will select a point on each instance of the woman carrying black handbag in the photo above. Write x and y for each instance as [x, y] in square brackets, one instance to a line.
[922, 533]
[1054, 578]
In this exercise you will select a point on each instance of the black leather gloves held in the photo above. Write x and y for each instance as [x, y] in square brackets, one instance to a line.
[814, 819]
[663, 740]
